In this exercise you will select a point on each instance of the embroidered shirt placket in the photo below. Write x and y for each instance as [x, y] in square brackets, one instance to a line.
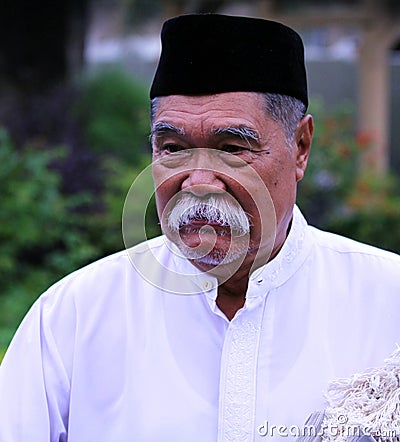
[238, 378]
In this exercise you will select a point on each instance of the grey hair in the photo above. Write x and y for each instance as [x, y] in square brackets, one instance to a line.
[283, 109]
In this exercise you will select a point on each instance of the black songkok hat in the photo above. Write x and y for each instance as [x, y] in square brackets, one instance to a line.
[211, 53]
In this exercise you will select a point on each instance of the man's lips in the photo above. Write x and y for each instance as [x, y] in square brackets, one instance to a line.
[203, 222]
[197, 224]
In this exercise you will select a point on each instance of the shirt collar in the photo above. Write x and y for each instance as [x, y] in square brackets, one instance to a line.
[292, 255]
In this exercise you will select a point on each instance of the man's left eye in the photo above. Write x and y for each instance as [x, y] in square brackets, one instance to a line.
[231, 148]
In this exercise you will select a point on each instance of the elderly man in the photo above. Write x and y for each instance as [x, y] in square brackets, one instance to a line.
[233, 324]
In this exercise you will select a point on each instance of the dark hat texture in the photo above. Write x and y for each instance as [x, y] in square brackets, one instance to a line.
[211, 53]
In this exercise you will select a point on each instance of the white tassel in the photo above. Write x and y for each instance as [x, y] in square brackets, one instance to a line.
[370, 401]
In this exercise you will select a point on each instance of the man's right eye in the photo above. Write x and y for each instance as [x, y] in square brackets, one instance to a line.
[171, 148]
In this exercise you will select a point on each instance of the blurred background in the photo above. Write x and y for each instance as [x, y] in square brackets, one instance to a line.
[74, 125]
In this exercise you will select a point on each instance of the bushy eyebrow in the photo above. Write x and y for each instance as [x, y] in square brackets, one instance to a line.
[162, 128]
[245, 133]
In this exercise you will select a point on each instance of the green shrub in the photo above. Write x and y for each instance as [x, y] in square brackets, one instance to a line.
[2, 353]
[114, 110]
[120, 177]
[35, 218]
[371, 211]
[333, 164]
[37, 225]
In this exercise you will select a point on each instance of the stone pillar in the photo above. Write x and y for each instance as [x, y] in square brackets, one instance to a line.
[373, 93]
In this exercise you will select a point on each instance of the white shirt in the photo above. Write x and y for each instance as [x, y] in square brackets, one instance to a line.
[107, 356]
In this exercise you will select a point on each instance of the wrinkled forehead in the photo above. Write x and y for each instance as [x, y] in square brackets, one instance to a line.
[233, 109]
[192, 103]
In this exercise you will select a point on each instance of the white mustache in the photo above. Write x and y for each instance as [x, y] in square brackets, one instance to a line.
[213, 209]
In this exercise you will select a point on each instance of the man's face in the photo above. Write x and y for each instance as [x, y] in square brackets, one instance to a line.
[226, 148]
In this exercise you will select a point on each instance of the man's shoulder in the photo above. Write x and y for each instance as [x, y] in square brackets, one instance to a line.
[124, 256]
[346, 247]
[106, 271]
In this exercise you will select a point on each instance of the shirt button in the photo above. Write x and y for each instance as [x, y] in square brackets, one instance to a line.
[260, 280]
[207, 285]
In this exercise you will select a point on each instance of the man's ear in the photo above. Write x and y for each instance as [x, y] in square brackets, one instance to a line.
[302, 140]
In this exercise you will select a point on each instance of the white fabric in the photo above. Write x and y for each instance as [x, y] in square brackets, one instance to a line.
[106, 356]
[369, 400]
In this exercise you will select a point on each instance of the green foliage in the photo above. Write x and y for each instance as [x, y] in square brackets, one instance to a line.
[371, 212]
[337, 194]
[333, 163]
[34, 215]
[106, 223]
[37, 225]
[114, 110]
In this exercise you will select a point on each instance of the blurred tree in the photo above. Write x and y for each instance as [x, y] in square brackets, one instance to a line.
[41, 42]
[41, 50]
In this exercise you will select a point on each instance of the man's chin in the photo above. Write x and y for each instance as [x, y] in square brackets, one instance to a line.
[217, 257]
[220, 254]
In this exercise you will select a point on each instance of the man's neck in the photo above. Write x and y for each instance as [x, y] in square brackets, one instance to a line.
[232, 295]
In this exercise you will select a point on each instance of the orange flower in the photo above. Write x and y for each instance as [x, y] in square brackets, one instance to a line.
[365, 139]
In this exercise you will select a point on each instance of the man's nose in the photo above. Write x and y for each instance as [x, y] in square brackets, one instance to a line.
[203, 181]
[203, 177]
